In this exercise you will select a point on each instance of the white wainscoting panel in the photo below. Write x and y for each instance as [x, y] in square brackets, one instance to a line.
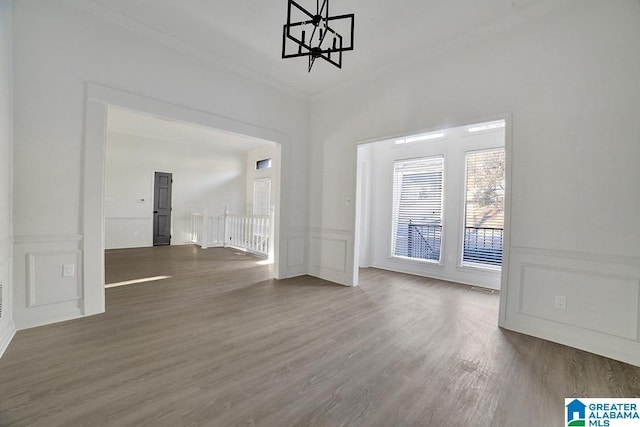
[42, 294]
[605, 303]
[330, 254]
[295, 252]
[292, 248]
[46, 283]
[602, 294]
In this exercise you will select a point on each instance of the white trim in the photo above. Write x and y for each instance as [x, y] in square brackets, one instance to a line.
[98, 99]
[39, 316]
[480, 269]
[506, 236]
[584, 256]
[6, 335]
[429, 55]
[31, 287]
[105, 95]
[430, 275]
[471, 267]
[594, 342]
[338, 231]
[416, 261]
[5, 248]
[507, 117]
[7, 325]
[128, 218]
[93, 190]
[618, 337]
[157, 35]
[342, 245]
[52, 238]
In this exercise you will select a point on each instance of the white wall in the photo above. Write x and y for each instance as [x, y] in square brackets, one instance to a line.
[60, 52]
[569, 79]
[6, 156]
[380, 159]
[203, 177]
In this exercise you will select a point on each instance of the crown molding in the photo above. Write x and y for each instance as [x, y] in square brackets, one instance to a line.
[161, 37]
[429, 53]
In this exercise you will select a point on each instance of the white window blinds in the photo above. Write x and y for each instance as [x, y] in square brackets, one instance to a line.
[417, 208]
[484, 208]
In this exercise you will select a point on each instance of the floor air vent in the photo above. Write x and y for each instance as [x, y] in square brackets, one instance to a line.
[483, 290]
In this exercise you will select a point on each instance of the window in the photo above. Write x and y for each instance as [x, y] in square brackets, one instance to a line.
[263, 164]
[417, 208]
[262, 196]
[484, 208]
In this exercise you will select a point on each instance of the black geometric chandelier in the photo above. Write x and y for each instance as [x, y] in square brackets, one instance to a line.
[316, 35]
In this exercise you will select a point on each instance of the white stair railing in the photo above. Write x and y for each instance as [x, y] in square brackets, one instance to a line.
[216, 231]
[251, 233]
[248, 232]
[199, 225]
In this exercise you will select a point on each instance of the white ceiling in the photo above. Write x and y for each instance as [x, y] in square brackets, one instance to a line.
[247, 34]
[130, 122]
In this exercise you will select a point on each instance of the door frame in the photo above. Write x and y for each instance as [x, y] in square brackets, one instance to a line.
[98, 99]
[359, 189]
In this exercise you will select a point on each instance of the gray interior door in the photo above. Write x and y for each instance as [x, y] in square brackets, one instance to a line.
[162, 209]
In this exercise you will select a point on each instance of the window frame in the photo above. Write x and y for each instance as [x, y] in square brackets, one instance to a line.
[395, 206]
[461, 263]
[263, 164]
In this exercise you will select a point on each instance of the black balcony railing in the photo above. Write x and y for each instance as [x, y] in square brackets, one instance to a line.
[423, 241]
[483, 245]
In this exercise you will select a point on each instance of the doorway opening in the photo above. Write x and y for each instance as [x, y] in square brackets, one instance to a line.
[174, 183]
[102, 212]
[440, 205]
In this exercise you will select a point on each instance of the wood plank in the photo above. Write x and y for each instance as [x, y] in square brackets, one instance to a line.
[221, 343]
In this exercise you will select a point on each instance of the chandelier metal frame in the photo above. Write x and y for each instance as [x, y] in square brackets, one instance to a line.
[324, 42]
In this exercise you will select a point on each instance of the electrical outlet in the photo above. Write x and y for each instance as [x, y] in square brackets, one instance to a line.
[561, 302]
[68, 270]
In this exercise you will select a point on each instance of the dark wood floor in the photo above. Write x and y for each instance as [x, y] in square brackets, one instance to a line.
[220, 343]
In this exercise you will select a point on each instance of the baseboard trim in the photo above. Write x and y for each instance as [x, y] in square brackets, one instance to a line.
[603, 293]
[42, 320]
[612, 347]
[329, 276]
[432, 275]
[6, 335]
